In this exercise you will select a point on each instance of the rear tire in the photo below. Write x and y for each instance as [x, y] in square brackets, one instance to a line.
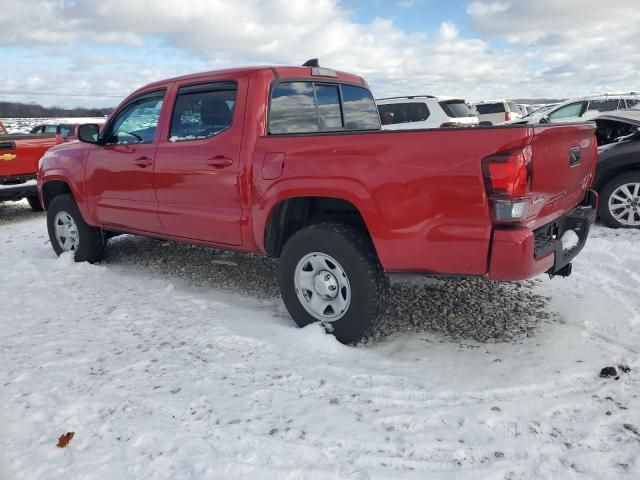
[346, 259]
[34, 203]
[617, 208]
[69, 232]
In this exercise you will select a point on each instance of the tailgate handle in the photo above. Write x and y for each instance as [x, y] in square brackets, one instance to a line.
[574, 156]
[7, 145]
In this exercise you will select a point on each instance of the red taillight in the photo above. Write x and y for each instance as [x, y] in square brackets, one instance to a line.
[508, 174]
[507, 116]
[507, 178]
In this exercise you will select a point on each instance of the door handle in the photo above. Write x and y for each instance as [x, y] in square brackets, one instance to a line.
[143, 162]
[220, 161]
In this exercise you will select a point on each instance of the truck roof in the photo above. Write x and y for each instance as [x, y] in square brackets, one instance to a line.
[278, 71]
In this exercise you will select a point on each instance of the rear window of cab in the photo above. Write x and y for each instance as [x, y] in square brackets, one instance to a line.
[308, 107]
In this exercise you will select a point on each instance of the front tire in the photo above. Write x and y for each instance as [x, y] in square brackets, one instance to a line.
[620, 201]
[68, 232]
[330, 273]
[34, 203]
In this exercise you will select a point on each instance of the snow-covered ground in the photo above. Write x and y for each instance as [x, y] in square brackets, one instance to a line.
[24, 125]
[162, 373]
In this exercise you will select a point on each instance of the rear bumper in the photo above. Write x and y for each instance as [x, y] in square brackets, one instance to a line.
[519, 254]
[17, 187]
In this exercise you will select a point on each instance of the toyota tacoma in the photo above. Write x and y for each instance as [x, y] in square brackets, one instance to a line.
[291, 162]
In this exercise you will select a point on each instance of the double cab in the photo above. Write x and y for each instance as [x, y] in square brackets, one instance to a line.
[291, 162]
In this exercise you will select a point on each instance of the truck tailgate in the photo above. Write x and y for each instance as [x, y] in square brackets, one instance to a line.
[19, 153]
[563, 163]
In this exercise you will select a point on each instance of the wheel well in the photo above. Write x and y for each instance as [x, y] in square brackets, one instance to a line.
[632, 167]
[291, 215]
[52, 189]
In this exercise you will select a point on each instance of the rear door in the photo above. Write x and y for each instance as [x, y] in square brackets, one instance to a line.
[198, 162]
[563, 162]
[119, 173]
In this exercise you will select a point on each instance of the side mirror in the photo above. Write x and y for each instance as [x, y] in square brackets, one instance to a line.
[88, 132]
[544, 120]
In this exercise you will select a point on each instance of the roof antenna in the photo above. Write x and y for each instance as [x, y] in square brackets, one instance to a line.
[311, 63]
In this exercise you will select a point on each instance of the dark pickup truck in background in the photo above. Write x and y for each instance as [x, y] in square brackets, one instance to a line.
[19, 156]
[291, 162]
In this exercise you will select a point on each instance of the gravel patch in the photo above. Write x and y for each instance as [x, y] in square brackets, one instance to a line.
[461, 309]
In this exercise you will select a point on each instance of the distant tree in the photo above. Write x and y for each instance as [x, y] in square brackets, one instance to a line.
[33, 110]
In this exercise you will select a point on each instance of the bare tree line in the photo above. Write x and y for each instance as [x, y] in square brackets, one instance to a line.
[33, 110]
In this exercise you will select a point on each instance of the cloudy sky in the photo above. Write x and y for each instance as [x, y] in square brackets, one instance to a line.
[93, 53]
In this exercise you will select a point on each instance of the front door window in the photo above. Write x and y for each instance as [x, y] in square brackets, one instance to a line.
[138, 121]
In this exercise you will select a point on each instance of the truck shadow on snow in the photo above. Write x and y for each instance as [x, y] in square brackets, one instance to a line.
[461, 309]
[13, 212]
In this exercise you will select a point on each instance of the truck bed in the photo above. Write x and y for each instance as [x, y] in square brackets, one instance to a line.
[427, 187]
[19, 153]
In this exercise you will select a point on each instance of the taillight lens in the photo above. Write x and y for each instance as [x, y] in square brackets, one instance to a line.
[507, 116]
[507, 178]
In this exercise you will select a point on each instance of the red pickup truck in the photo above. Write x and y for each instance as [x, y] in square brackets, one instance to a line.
[291, 162]
[19, 155]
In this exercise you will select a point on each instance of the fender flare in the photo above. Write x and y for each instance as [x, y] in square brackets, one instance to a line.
[61, 175]
[350, 190]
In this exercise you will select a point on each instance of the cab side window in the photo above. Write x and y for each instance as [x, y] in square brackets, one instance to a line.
[202, 111]
[138, 121]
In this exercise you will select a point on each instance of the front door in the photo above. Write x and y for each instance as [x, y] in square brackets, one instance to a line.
[198, 163]
[120, 181]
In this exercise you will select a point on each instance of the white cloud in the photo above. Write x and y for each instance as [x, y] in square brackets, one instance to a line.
[487, 9]
[578, 45]
[200, 34]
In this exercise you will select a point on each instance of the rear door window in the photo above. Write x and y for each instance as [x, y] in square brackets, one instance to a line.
[394, 113]
[632, 102]
[456, 109]
[202, 111]
[488, 108]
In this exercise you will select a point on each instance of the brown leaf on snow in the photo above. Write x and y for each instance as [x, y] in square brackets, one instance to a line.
[64, 439]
